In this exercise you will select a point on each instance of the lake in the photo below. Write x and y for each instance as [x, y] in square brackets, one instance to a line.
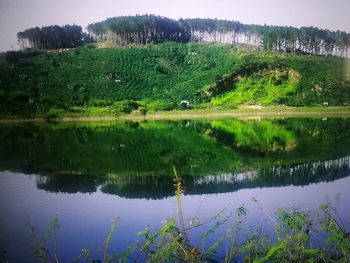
[91, 174]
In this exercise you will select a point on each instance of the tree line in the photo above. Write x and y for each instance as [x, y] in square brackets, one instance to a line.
[138, 30]
[53, 37]
[145, 29]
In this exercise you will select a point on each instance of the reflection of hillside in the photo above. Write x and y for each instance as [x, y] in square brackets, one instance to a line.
[155, 187]
[121, 148]
[131, 154]
[253, 138]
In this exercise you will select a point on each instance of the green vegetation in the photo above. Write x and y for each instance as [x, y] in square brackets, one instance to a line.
[263, 88]
[167, 73]
[53, 37]
[269, 79]
[294, 230]
[145, 29]
[138, 30]
[92, 82]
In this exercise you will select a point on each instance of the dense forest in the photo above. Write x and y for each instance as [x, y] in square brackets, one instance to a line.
[53, 37]
[144, 29]
[139, 30]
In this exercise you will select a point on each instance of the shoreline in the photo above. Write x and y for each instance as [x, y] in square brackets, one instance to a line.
[240, 113]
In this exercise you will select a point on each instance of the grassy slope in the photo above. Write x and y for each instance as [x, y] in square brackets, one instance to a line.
[206, 75]
[289, 79]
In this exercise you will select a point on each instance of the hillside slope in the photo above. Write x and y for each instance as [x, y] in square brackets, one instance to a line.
[164, 74]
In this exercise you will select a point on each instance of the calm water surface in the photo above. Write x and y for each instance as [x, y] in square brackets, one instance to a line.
[93, 173]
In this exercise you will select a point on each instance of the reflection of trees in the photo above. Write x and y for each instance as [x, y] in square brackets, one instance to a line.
[137, 158]
[67, 183]
[154, 187]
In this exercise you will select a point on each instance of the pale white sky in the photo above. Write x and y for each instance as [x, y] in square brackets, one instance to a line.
[17, 15]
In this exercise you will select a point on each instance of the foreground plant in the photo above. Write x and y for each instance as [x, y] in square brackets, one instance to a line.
[299, 236]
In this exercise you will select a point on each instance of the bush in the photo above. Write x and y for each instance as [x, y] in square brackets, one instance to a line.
[143, 110]
[54, 113]
[12, 56]
[159, 105]
[15, 56]
[99, 103]
[20, 98]
[124, 106]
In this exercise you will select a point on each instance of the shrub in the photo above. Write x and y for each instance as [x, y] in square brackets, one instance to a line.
[12, 56]
[143, 110]
[54, 113]
[124, 106]
[159, 105]
[99, 103]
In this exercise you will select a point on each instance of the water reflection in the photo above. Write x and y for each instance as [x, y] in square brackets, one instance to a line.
[94, 172]
[157, 187]
[135, 160]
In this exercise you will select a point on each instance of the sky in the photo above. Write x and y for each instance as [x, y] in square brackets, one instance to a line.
[18, 15]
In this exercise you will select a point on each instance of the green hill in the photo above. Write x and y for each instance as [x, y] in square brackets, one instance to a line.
[112, 80]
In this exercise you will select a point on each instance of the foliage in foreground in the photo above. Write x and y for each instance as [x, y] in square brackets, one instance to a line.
[295, 235]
